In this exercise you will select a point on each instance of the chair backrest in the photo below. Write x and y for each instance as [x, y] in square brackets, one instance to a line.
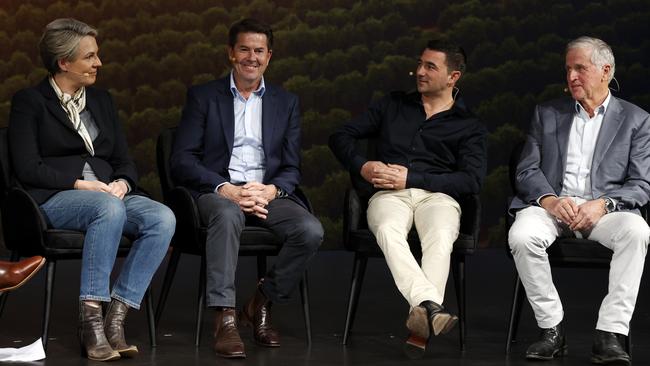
[163, 155]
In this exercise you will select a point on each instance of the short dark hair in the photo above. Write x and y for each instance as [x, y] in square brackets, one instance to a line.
[455, 55]
[250, 25]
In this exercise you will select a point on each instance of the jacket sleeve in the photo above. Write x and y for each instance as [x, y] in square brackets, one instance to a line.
[30, 168]
[287, 176]
[530, 181]
[186, 163]
[635, 190]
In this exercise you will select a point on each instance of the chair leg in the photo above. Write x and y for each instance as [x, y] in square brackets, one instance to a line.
[200, 304]
[3, 300]
[358, 270]
[304, 297]
[50, 269]
[148, 298]
[515, 313]
[167, 283]
[458, 262]
[261, 266]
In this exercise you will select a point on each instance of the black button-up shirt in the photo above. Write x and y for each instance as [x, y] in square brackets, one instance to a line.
[445, 153]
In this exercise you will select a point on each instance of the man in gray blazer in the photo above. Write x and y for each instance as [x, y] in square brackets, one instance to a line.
[584, 171]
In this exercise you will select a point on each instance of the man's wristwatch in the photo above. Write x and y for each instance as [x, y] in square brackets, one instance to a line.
[279, 193]
[609, 205]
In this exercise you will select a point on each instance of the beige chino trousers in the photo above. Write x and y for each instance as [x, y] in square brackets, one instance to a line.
[391, 215]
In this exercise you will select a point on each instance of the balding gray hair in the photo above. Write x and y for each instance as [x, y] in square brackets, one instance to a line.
[601, 53]
[60, 41]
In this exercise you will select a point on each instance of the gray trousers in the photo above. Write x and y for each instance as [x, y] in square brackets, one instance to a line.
[302, 234]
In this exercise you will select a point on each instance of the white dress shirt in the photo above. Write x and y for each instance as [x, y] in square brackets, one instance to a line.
[580, 152]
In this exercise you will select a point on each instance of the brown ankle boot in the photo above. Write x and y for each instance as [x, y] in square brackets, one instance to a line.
[114, 329]
[257, 312]
[227, 342]
[91, 334]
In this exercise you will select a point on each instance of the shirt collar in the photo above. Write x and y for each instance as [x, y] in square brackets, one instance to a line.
[235, 93]
[459, 107]
[599, 110]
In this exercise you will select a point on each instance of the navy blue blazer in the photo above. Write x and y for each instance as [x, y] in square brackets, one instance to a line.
[204, 138]
[48, 154]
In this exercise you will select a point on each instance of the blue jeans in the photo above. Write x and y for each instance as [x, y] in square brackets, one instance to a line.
[105, 218]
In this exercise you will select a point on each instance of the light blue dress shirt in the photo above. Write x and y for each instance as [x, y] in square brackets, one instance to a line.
[248, 162]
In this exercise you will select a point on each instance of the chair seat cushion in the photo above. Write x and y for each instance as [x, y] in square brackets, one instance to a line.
[69, 243]
[254, 240]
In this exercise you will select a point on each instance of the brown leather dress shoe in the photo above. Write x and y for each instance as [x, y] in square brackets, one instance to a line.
[227, 342]
[15, 274]
[257, 312]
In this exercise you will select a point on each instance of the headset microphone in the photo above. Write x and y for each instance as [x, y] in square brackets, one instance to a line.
[410, 73]
[566, 90]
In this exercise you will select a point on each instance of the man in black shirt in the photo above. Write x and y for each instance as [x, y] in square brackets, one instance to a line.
[430, 152]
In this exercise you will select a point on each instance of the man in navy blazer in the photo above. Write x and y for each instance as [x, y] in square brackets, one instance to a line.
[237, 149]
[585, 172]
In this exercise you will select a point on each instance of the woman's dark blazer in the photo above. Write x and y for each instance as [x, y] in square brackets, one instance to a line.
[48, 155]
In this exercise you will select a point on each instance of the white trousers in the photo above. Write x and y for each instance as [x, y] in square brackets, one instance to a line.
[625, 233]
[391, 215]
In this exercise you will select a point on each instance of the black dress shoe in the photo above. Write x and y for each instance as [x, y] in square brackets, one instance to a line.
[550, 345]
[607, 349]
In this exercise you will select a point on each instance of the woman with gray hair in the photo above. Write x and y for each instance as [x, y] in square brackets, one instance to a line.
[71, 156]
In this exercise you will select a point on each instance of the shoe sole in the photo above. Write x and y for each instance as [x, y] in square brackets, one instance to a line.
[558, 353]
[26, 278]
[246, 322]
[443, 323]
[130, 352]
[609, 361]
[113, 357]
[415, 347]
[419, 333]
[243, 355]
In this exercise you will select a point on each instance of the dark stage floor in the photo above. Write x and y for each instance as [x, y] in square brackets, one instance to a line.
[379, 331]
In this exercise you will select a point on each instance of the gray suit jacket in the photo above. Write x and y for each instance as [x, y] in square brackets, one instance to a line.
[621, 164]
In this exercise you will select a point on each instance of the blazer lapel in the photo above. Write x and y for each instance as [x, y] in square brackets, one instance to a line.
[564, 119]
[227, 113]
[612, 121]
[53, 104]
[269, 111]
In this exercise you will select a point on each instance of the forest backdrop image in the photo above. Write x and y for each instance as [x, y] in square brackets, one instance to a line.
[337, 56]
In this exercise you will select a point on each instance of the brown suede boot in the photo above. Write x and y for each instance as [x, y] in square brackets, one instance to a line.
[114, 329]
[93, 341]
[227, 342]
[257, 312]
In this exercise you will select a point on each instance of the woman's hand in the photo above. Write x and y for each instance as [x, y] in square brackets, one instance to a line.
[92, 185]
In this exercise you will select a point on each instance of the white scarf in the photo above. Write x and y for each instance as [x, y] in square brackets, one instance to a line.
[73, 105]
